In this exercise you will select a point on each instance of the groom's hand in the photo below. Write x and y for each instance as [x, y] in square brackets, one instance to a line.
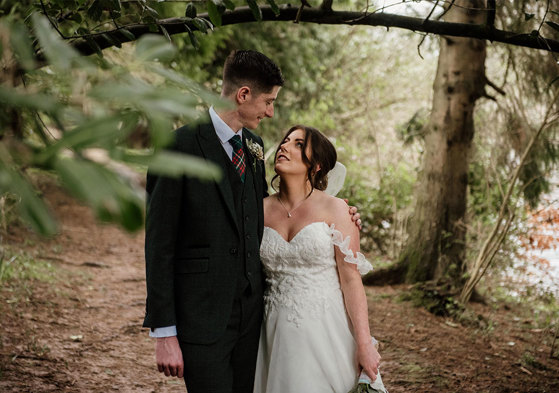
[355, 216]
[168, 356]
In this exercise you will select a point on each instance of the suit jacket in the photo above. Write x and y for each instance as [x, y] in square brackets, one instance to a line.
[192, 241]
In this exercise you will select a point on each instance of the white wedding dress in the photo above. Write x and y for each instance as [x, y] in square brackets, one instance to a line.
[306, 345]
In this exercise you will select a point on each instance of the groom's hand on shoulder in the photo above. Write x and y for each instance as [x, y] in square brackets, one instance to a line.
[355, 216]
[168, 356]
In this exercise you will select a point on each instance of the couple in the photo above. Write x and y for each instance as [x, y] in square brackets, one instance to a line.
[207, 293]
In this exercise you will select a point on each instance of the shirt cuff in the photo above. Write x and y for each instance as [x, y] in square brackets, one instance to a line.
[166, 331]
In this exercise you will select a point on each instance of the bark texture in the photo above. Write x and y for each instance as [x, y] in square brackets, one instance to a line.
[435, 249]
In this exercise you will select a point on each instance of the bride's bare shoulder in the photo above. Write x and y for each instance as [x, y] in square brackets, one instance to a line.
[334, 206]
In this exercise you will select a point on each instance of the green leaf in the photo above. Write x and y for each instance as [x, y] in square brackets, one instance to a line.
[213, 13]
[160, 129]
[22, 46]
[274, 7]
[193, 39]
[169, 163]
[190, 11]
[553, 25]
[200, 25]
[93, 45]
[151, 12]
[36, 101]
[76, 17]
[154, 47]
[111, 196]
[57, 52]
[100, 132]
[172, 76]
[229, 4]
[528, 16]
[209, 24]
[256, 11]
[112, 39]
[165, 33]
[128, 34]
[31, 208]
[134, 92]
[95, 10]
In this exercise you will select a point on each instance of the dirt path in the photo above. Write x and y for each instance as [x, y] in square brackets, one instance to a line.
[81, 332]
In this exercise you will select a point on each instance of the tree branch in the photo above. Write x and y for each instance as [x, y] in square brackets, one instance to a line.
[288, 14]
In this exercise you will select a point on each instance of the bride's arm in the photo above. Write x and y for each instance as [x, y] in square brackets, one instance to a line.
[354, 293]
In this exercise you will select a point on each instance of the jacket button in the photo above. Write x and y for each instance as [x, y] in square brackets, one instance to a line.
[249, 254]
[233, 250]
[249, 274]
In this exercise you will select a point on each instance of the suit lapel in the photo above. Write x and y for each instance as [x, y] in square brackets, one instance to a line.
[250, 163]
[213, 151]
[256, 177]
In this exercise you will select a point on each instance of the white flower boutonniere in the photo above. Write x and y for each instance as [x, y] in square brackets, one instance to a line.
[256, 151]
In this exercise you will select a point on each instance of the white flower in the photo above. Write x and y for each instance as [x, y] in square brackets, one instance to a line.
[255, 150]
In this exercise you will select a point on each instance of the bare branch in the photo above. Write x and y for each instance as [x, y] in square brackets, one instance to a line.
[288, 13]
[495, 87]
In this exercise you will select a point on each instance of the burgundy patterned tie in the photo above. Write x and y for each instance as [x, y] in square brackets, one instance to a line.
[238, 156]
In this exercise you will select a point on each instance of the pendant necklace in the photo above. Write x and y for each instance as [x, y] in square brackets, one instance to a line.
[295, 208]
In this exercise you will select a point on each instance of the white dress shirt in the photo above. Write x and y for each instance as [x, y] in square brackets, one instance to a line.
[224, 133]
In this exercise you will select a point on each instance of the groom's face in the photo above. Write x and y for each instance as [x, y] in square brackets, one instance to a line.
[257, 107]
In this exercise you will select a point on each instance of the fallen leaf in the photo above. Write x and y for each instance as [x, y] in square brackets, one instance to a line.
[525, 370]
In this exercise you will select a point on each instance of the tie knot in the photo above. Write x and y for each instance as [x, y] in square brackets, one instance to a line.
[236, 142]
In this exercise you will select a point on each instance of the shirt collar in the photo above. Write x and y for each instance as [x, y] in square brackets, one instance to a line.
[223, 131]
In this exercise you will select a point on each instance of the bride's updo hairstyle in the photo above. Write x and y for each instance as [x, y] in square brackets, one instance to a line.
[323, 154]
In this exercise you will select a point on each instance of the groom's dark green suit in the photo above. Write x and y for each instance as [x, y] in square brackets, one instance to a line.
[203, 266]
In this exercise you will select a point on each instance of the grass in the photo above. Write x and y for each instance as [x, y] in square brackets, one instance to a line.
[21, 267]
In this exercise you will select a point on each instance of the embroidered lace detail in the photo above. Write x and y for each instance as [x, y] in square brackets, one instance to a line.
[301, 275]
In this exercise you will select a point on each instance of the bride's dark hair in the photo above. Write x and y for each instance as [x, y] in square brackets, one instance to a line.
[323, 154]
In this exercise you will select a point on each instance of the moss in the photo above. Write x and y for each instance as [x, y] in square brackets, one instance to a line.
[438, 299]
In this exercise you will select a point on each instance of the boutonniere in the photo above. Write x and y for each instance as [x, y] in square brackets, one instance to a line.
[256, 151]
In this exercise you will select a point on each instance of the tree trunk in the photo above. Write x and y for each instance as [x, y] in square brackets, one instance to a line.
[435, 248]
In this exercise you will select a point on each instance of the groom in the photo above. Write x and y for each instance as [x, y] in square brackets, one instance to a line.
[203, 271]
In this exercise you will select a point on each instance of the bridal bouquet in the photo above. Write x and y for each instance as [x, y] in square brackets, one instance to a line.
[365, 385]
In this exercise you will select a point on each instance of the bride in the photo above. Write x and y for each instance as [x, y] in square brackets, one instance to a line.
[315, 335]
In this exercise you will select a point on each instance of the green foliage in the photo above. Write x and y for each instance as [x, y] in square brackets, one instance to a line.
[21, 267]
[378, 204]
[485, 191]
[439, 299]
[92, 105]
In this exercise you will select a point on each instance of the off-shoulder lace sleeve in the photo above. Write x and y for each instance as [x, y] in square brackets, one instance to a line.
[363, 265]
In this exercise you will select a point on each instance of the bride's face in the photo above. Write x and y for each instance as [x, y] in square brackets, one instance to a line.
[289, 158]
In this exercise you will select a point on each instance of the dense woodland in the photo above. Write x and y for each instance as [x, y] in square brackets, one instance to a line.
[445, 113]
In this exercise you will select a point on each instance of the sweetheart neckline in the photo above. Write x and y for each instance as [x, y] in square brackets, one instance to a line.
[297, 234]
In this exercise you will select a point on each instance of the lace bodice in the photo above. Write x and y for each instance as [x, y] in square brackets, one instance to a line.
[301, 274]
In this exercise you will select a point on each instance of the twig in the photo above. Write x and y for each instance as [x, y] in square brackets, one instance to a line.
[50, 20]
[490, 247]
[431, 13]
[445, 10]
[544, 15]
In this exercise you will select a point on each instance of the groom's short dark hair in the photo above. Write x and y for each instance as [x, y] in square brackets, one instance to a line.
[250, 68]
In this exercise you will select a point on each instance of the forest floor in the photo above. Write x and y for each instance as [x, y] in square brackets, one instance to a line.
[72, 323]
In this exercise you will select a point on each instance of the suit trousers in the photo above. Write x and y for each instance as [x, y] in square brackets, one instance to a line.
[228, 365]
